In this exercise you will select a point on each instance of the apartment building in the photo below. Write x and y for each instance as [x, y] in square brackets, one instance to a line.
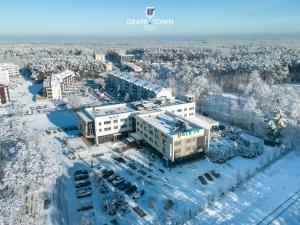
[8, 70]
[56, 84]
[100, 56]
[175, 138]
[4, 95]
[105, 123]
[127, 58]
[4, 77]
[136, 88]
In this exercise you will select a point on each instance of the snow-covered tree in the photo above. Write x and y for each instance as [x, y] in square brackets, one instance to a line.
[276, 125]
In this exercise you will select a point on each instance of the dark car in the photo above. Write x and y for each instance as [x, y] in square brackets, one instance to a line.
[81, 177]
[120, 159]
[77, 172]
[83, 184]
[124, 186]
[108, 174]
[131, 189]
[85, 207]
[117, 182]
[112, 177]
[208, 176]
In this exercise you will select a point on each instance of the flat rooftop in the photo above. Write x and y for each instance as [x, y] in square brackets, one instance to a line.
[108, 110]
[161, 102]
[203, 121]
[168, 124]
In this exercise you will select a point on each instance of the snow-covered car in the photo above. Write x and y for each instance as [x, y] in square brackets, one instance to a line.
[84, 194]
[83, 171]
[118, 181]
[83, 184]
[81, 177]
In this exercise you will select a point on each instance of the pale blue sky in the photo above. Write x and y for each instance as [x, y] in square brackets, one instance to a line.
[108, 17]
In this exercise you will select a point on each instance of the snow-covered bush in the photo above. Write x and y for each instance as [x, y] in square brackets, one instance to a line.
[250, 149]
[220, 155]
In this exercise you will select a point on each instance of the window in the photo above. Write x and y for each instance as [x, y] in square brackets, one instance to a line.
[90, 125]
[115, 121]
[146, 135]
[123, 126]
[151, 132]
[115, 127]
[156, 136]
[100, 130]
[107, 128]
[185, 109]
[99, 123]
[150, 139]
[123, 120]
[164, 142]
[164, 149]
[179, 110]
[138, 130]
[191, 108]
[185, 115]
[191, 114]
[107, 122]
[138, 123]
[145, 128]
[156, 143]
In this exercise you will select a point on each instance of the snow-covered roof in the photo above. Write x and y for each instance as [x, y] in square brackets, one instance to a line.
[167, 123]
[203, 121]
[107, 110]
[57, 79]
[139, 82]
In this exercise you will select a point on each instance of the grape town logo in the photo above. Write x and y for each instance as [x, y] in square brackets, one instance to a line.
[149, 23]
[150, 12]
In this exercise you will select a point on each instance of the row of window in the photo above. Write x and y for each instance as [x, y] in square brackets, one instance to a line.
[114, 121]
[115, 128]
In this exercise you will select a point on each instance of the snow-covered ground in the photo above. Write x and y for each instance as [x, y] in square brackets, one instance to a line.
[256, 199]
[171, 195]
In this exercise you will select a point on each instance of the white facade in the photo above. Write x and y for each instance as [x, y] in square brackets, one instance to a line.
[100, 56]
[54, 85]
[11, 69]
[109, 121]
[4, 77]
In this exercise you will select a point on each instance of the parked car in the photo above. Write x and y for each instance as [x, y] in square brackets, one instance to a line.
[215, 174]
[81, 177]
[119, 159]
[71, 156]
[85, 207]
[112, 177]
[118, 181]
[202, 180]
[84, 194]
[208, 177]
[124, 186]
[131, 189]
[108, 174]
[77, 172]
[83, 184]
